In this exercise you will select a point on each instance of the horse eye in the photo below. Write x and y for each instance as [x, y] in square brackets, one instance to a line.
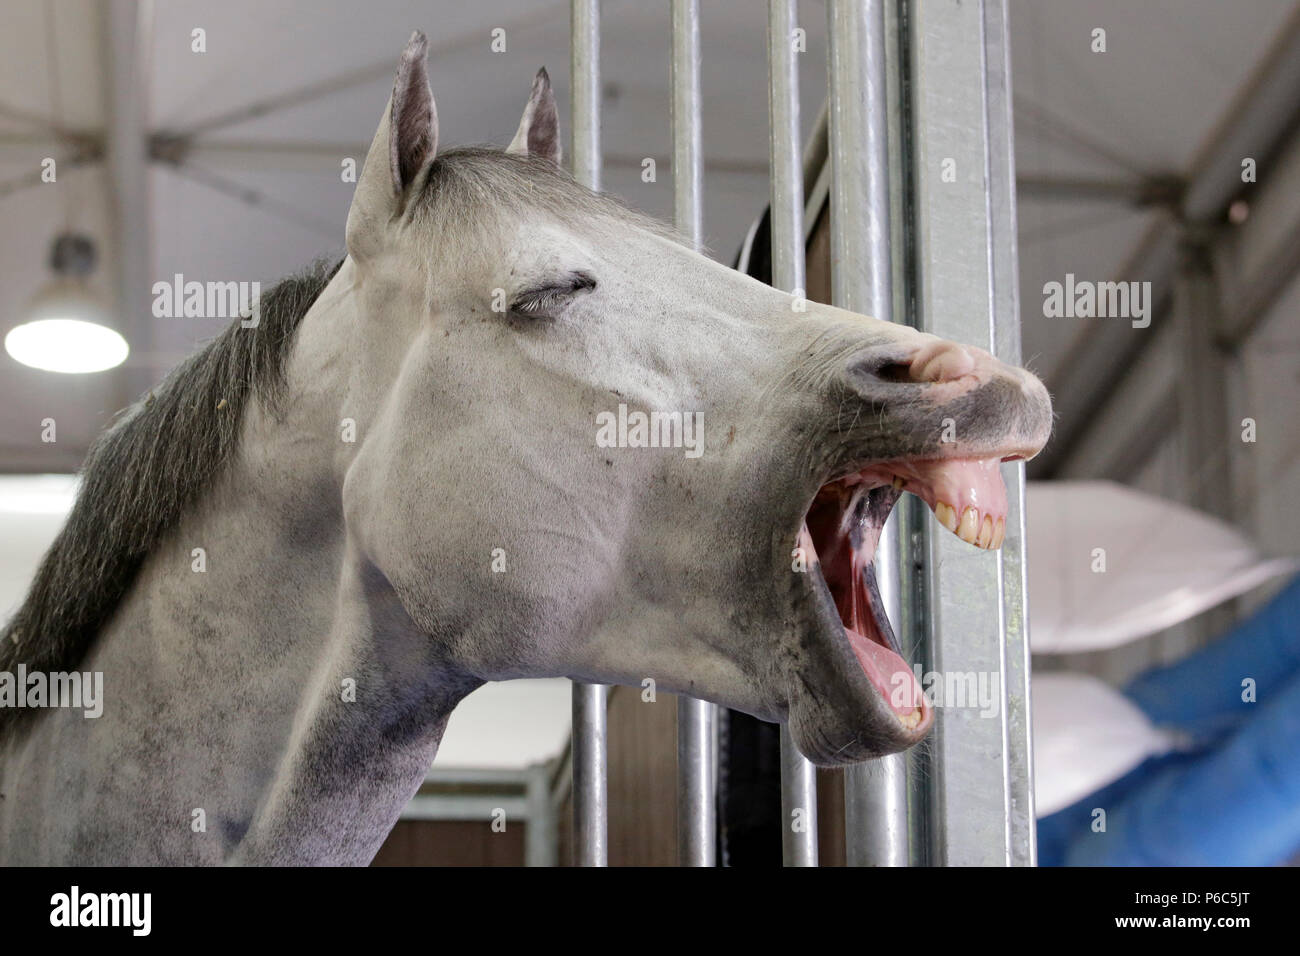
[548, 299]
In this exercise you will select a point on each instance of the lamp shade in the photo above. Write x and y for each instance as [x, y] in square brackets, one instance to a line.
[66, 329]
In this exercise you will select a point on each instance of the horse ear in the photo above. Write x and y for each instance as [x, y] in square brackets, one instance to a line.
[404, 143]
[539, 129]
[413, 118]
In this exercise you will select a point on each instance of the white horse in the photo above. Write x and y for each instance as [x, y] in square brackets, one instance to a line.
[294, 558]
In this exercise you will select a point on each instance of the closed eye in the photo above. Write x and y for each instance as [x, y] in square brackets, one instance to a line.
[548, 300]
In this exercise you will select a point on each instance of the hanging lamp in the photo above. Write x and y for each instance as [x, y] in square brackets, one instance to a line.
[66, 327]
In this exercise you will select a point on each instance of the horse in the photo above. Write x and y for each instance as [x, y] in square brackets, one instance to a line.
[293, 558]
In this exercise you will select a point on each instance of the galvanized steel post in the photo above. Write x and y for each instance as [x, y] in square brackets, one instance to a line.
[696, 719]
[798, 776]
[862, 279]
[920, 142]
[590, 816]
[964, 283]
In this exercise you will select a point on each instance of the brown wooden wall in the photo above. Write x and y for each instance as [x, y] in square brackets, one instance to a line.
[451, 843]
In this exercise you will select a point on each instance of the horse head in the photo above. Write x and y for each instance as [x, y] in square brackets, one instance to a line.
[593, 452]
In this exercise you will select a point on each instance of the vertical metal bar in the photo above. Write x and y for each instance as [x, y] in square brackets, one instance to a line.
[590, 819]
[684, 79]
[696, 758]
[875, 798]
[798, 776]
[540, 831]
[785, 153]
[1005, 274]
[798, 804]
[963, 230]
[590, 823]
[696, 720]
[584, 90]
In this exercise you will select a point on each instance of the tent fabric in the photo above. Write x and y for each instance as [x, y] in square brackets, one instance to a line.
[1109, 565]
[1086, 735]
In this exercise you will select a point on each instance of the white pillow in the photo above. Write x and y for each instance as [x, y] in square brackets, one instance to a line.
[1164, 563]
[1086, 735]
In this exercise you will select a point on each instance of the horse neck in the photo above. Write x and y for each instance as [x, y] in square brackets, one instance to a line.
[259, 661]
[379, 692]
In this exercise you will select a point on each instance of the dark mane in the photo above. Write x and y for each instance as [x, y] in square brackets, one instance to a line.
[142, 474]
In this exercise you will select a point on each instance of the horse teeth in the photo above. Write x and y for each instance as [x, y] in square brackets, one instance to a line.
[898, 483]
[986, 533]
[911, 720]
[968, 531]
[947, 515]
[999, 533]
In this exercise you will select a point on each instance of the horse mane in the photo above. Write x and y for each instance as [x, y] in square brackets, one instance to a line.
[145, 472]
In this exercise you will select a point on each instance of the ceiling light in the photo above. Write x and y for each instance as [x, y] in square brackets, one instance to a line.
[67, 327]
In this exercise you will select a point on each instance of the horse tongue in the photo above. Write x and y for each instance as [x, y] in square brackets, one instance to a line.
[874, 643]
[968, 497]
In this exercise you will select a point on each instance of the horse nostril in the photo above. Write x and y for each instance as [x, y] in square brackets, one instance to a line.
[884, 367]
[895, 372]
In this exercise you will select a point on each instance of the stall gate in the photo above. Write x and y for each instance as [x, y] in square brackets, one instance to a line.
[920, 183]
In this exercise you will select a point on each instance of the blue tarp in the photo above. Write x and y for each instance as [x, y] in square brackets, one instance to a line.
[1231, 799]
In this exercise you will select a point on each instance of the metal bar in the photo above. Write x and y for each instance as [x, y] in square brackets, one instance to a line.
[684, 81]
[540, 835]
[798, 804]
[590, 815]
[1004, 272]
[590, 766]
[696, 720]
[859, 152]
[798, 776]
[584, 80]
[875, 798]
[696, 773]
[501, 777]
[450, 806]
[964, 287]
[785, 153]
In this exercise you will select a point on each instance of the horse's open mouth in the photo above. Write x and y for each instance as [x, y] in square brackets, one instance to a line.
[839, 537]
